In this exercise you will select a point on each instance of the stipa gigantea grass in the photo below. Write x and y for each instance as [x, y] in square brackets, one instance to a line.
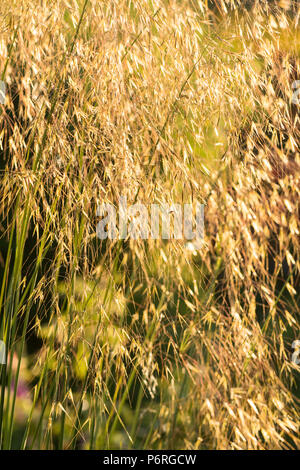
[140, 343]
